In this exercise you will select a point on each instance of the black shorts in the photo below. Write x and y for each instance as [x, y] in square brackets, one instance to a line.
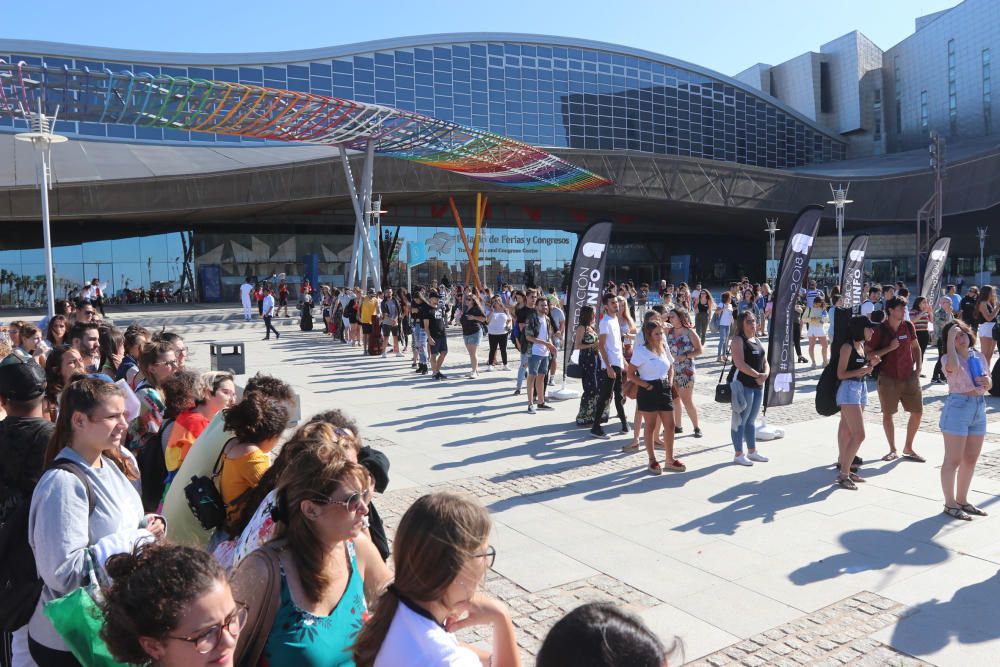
[440, 345]
[655, 399]
[389, 330]
[366, 328]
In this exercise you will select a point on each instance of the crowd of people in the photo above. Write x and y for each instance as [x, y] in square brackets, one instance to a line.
[96, 425]
[98, 422]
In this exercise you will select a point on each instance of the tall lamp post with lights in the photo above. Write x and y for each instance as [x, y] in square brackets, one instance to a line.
[772, 230]
[981, 235]
[41, 138]
[840, 201]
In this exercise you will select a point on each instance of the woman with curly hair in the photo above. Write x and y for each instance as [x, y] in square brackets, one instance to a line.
[308, 589]
[170, 606]
[258, 422]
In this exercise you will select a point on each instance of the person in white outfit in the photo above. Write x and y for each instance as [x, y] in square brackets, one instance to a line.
[246, 292]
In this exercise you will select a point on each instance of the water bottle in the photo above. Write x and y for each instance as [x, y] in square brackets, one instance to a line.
[975, 365]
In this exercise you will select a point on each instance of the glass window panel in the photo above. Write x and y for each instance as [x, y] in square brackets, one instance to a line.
[226, 74]
[360, 62]
[423, 54]
[340, 67]
[251, 75]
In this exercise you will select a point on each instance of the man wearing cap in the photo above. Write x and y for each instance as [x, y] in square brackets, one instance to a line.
[24, 435]
[437, 337]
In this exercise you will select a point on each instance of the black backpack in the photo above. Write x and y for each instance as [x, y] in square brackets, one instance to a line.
[995, 377]
[152, 468]
[204, 498]
[828, 384]
[20, 584]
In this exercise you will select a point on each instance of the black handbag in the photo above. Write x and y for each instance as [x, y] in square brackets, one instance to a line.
[574, 371]
[723, 392]
[204, 499]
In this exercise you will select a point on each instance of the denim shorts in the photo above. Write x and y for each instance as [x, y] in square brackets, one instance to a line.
[474, 338]
[852, 392]
[538, 365]
[963, 415]
[440, 345]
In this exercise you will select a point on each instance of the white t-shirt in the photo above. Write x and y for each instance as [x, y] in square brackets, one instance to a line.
[651, 366]
[613, 343]
[867, 308]
[497, 322]
[537, 349]
[268, 305]
[415, 640]
[726, 318]
[245, 290]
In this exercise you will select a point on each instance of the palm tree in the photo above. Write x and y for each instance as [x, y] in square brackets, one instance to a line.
[3, 281]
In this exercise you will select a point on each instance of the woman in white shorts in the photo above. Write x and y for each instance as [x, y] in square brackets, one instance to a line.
[816, 318]
[986, 316]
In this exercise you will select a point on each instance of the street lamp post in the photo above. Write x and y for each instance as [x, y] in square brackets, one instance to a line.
[42, 138]
[981, 234]
[840, 201]
[772, 230]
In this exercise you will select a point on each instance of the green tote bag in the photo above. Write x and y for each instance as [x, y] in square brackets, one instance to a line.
[78, 619]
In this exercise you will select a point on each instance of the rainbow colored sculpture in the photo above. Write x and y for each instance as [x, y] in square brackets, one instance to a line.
[246, 110]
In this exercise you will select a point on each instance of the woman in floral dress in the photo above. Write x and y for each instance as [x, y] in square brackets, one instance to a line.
[586, 342]
[684, 345]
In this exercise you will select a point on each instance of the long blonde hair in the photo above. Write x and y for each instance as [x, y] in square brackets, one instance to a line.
[436, 537]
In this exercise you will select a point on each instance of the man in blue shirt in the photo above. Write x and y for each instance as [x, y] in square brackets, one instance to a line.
[951, 291]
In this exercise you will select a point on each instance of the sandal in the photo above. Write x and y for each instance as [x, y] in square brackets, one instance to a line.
[846, 483]
[969, 508]
[631, 447]
[654, 468]
[957, 512]
[676, 466]
[857, 478]
[891, 456]
[658, 444]
[913, 456]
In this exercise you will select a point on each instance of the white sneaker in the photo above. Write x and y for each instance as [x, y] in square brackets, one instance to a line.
[489, 369]
[383, 355]
[743, 460]
[506, 367]
[473, 375]
[400, 354]
[754, 456]
[531, 409]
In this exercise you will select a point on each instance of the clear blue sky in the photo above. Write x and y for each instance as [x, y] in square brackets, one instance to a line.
[724, 35]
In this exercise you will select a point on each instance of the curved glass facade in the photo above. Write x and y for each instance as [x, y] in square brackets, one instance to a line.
[544, 94]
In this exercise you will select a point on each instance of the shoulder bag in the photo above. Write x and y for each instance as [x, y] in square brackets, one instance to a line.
[723, 392]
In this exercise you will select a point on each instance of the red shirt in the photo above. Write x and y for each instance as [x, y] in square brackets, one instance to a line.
[897, 364]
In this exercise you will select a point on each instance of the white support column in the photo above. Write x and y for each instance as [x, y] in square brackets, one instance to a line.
[351, 279]
[369, 265]
[359, 201]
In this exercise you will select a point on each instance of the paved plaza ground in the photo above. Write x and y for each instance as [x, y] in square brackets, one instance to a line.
[746, 566]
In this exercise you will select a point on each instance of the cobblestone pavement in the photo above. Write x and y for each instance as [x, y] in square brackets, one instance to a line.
[833, 636]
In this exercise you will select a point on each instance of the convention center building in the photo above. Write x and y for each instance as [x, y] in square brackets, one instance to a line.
[697, 161]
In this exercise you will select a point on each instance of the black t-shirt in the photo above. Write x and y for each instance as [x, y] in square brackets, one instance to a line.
[753, 356]
[470, 327]
[436, 317]
[967, 307]
[22, 453]
[352, 311]
[521, 315]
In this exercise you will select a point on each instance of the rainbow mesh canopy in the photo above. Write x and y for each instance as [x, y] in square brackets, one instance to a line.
[199, 105]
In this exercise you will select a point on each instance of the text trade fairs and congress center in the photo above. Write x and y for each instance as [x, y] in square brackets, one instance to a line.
[697, 160]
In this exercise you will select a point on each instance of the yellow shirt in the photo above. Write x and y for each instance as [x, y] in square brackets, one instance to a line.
[367, 310]
[240, 474]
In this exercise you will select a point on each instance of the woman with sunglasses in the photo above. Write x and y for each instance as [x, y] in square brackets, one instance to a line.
[441, 554]
[170, 606]
[651, 367]
[751, 371]
[327, 570]
[67, 534]
[157, 362]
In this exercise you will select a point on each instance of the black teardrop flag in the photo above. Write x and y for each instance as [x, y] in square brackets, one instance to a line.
[936, 262]
[794, 265]
[586, 280]
[852, 282]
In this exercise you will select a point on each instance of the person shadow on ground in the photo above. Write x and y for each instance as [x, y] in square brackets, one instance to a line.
[762, 500]
[969, 617]
[872, 549]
